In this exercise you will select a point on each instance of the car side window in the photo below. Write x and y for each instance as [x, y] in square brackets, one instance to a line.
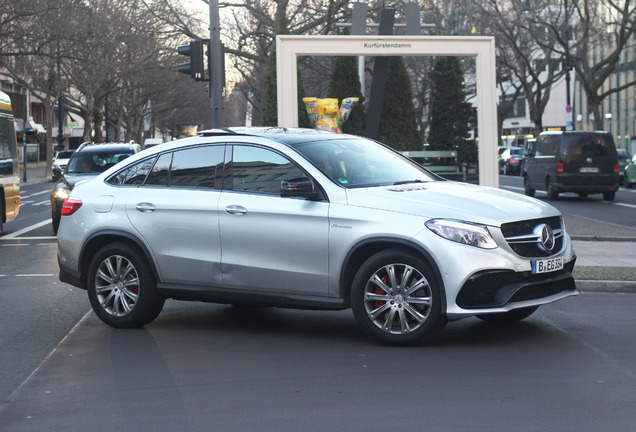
[196, 167]
[160, 173]
[260, 170]
[134, 174]
[547, 146]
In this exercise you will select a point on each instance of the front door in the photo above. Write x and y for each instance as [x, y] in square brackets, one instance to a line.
[269, 242]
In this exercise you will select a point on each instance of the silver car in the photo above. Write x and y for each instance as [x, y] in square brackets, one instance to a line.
[314, 220]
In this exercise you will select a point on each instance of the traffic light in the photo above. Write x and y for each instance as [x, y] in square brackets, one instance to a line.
[195, 67]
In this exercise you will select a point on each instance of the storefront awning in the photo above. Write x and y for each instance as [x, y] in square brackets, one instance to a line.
[37, 127]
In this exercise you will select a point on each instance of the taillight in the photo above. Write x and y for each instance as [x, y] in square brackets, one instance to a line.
[559, 167]
[617, 169]
[70, 206]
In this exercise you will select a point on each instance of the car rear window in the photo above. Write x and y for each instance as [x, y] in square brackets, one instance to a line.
[580, 147]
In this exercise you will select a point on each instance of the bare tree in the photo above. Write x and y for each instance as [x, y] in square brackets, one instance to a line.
[592, 26]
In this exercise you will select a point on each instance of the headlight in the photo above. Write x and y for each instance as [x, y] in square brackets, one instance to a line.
[61, 193]
[462, 232]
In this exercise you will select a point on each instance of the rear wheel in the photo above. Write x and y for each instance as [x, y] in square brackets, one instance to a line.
[122, 288]
[609, 196]
[508, 317]
[396, 299]
[551, 191]
[526, 187]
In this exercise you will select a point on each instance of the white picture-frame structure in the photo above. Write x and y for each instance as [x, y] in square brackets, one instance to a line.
[482, 48]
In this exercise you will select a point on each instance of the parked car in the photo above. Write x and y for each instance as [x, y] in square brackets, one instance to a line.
[580, 162]
[86, 162]
[510, 160]
[630, 173]
[308, 219]
[60, 161]
[624, 159]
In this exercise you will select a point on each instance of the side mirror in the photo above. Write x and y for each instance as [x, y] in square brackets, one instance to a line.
[57, 172]
[300, 187]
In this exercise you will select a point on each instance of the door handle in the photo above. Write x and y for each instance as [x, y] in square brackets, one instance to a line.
[235, 210]
[145, 207]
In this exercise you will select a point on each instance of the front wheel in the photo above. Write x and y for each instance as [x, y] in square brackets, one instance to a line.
[122, 288]
[55, 221]
[396, 299]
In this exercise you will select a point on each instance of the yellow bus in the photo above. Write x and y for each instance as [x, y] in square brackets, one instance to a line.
[9, 172]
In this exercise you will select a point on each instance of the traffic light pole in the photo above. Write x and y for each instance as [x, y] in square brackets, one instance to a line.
[215, 67]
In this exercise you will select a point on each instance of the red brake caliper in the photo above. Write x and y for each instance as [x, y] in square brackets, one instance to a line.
[379, 290]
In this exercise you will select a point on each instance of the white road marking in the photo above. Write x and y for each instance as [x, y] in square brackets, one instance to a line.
[18, 233]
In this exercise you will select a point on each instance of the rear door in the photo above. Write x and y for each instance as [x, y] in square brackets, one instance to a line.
[176, 213]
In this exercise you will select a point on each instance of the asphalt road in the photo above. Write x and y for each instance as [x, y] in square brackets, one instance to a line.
[620, 211]
[569, 367]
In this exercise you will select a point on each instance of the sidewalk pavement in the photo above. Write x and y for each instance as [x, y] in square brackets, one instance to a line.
[606, 252]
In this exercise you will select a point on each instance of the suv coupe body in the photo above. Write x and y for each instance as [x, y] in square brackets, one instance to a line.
[307, 219]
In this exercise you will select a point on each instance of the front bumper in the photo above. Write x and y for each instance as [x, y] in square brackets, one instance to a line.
[501, 290]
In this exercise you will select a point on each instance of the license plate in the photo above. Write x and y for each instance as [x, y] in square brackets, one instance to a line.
[547, 265]
[589, 169]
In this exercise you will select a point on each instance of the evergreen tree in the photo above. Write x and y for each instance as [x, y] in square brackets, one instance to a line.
[398, 127]
[451, 114]
[345, 83]
[269, 114]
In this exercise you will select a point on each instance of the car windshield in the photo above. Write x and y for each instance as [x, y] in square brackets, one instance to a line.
[82, 163]
[355, 163]
[64, 154]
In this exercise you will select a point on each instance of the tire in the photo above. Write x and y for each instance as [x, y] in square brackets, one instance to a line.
[526, 187]
[55, 221]
[396, 299]
[508, 317]
[549, 188]
[582, 195]
[122, 288]
[1, 213]
[609, 195]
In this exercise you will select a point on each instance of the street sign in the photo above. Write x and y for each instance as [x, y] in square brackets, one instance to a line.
[568, 109]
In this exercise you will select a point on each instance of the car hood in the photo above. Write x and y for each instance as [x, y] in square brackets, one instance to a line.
[452, 200]
[71, 180]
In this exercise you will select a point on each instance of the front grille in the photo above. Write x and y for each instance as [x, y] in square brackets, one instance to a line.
[523, 240]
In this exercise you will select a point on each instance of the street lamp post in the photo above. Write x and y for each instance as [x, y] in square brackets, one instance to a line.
[569, 123]
[60, 132]
[24, 139]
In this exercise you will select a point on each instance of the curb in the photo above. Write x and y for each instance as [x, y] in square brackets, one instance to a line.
[609, 286]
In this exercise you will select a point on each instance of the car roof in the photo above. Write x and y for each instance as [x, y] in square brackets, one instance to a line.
[110, 147]
[574, 133]
[282, 135]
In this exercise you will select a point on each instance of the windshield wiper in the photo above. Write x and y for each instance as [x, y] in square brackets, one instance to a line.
[408, 181]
